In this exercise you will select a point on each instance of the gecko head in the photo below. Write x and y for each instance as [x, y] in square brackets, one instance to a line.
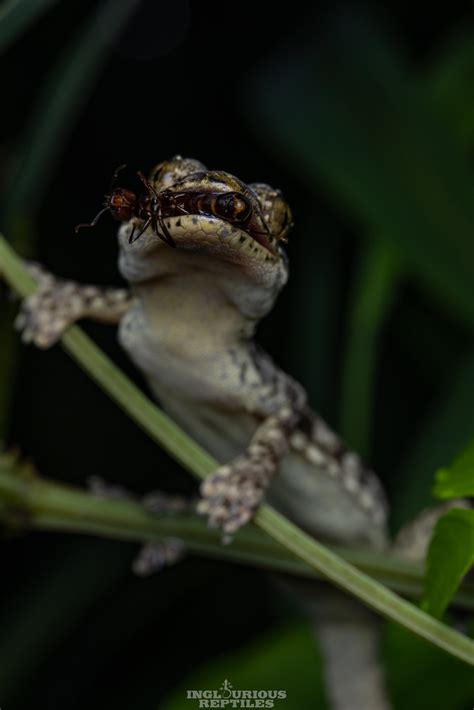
[215, 217]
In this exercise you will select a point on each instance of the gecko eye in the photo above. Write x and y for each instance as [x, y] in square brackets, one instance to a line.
[286, 223]
[233, 207]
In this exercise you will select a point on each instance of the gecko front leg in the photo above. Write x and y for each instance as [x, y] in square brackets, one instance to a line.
[231, 495]
[58, 303]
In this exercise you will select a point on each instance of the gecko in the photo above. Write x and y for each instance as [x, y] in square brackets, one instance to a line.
[203, 255]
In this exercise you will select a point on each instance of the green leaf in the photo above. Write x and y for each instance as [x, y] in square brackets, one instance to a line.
[458, 479]
[285, 659]
[450, 555]
[16, 16]
[346, 114]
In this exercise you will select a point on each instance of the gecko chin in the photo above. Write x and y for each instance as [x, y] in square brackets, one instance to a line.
[206, 245]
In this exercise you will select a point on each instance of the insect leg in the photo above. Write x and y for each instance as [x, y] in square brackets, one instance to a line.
[151, 190]
[165, 233]
[143, 229]
[130, 239]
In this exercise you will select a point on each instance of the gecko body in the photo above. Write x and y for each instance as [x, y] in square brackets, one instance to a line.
[188, 324]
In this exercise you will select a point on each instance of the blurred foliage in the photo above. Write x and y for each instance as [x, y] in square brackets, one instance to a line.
[17, 15]
[367, 132]
[451, 550]
[285, 659]
[446, 429]
[63, 94]
[447, 81]
[374, 289]
[421, 677]
[373, 147]
[348, 112]
[450, 556]
[458, 479]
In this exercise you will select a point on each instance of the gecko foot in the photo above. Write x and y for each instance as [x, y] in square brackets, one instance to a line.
[154, 555]
[57, 304]
[232, 494]
[47, 313]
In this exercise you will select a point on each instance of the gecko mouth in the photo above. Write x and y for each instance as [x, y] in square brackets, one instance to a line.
[266, 240]
[217, 195]
[254, 227]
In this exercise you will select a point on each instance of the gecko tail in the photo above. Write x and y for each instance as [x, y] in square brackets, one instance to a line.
[348, 637]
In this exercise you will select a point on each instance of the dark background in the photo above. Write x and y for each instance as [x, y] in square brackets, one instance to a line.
[231, 85]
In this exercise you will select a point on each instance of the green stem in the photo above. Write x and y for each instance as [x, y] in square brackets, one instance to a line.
[30, 502]
[162, 430]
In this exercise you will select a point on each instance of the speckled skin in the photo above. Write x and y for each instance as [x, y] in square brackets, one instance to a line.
[188, 325]
[190, 330]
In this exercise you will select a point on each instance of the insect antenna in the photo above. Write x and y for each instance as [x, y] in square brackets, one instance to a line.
[113, 179]
[94, 221]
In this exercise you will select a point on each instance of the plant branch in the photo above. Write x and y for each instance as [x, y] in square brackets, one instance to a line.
[162, 430]
[29, 502]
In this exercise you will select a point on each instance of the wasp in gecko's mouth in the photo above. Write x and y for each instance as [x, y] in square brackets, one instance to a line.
[258, 210]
